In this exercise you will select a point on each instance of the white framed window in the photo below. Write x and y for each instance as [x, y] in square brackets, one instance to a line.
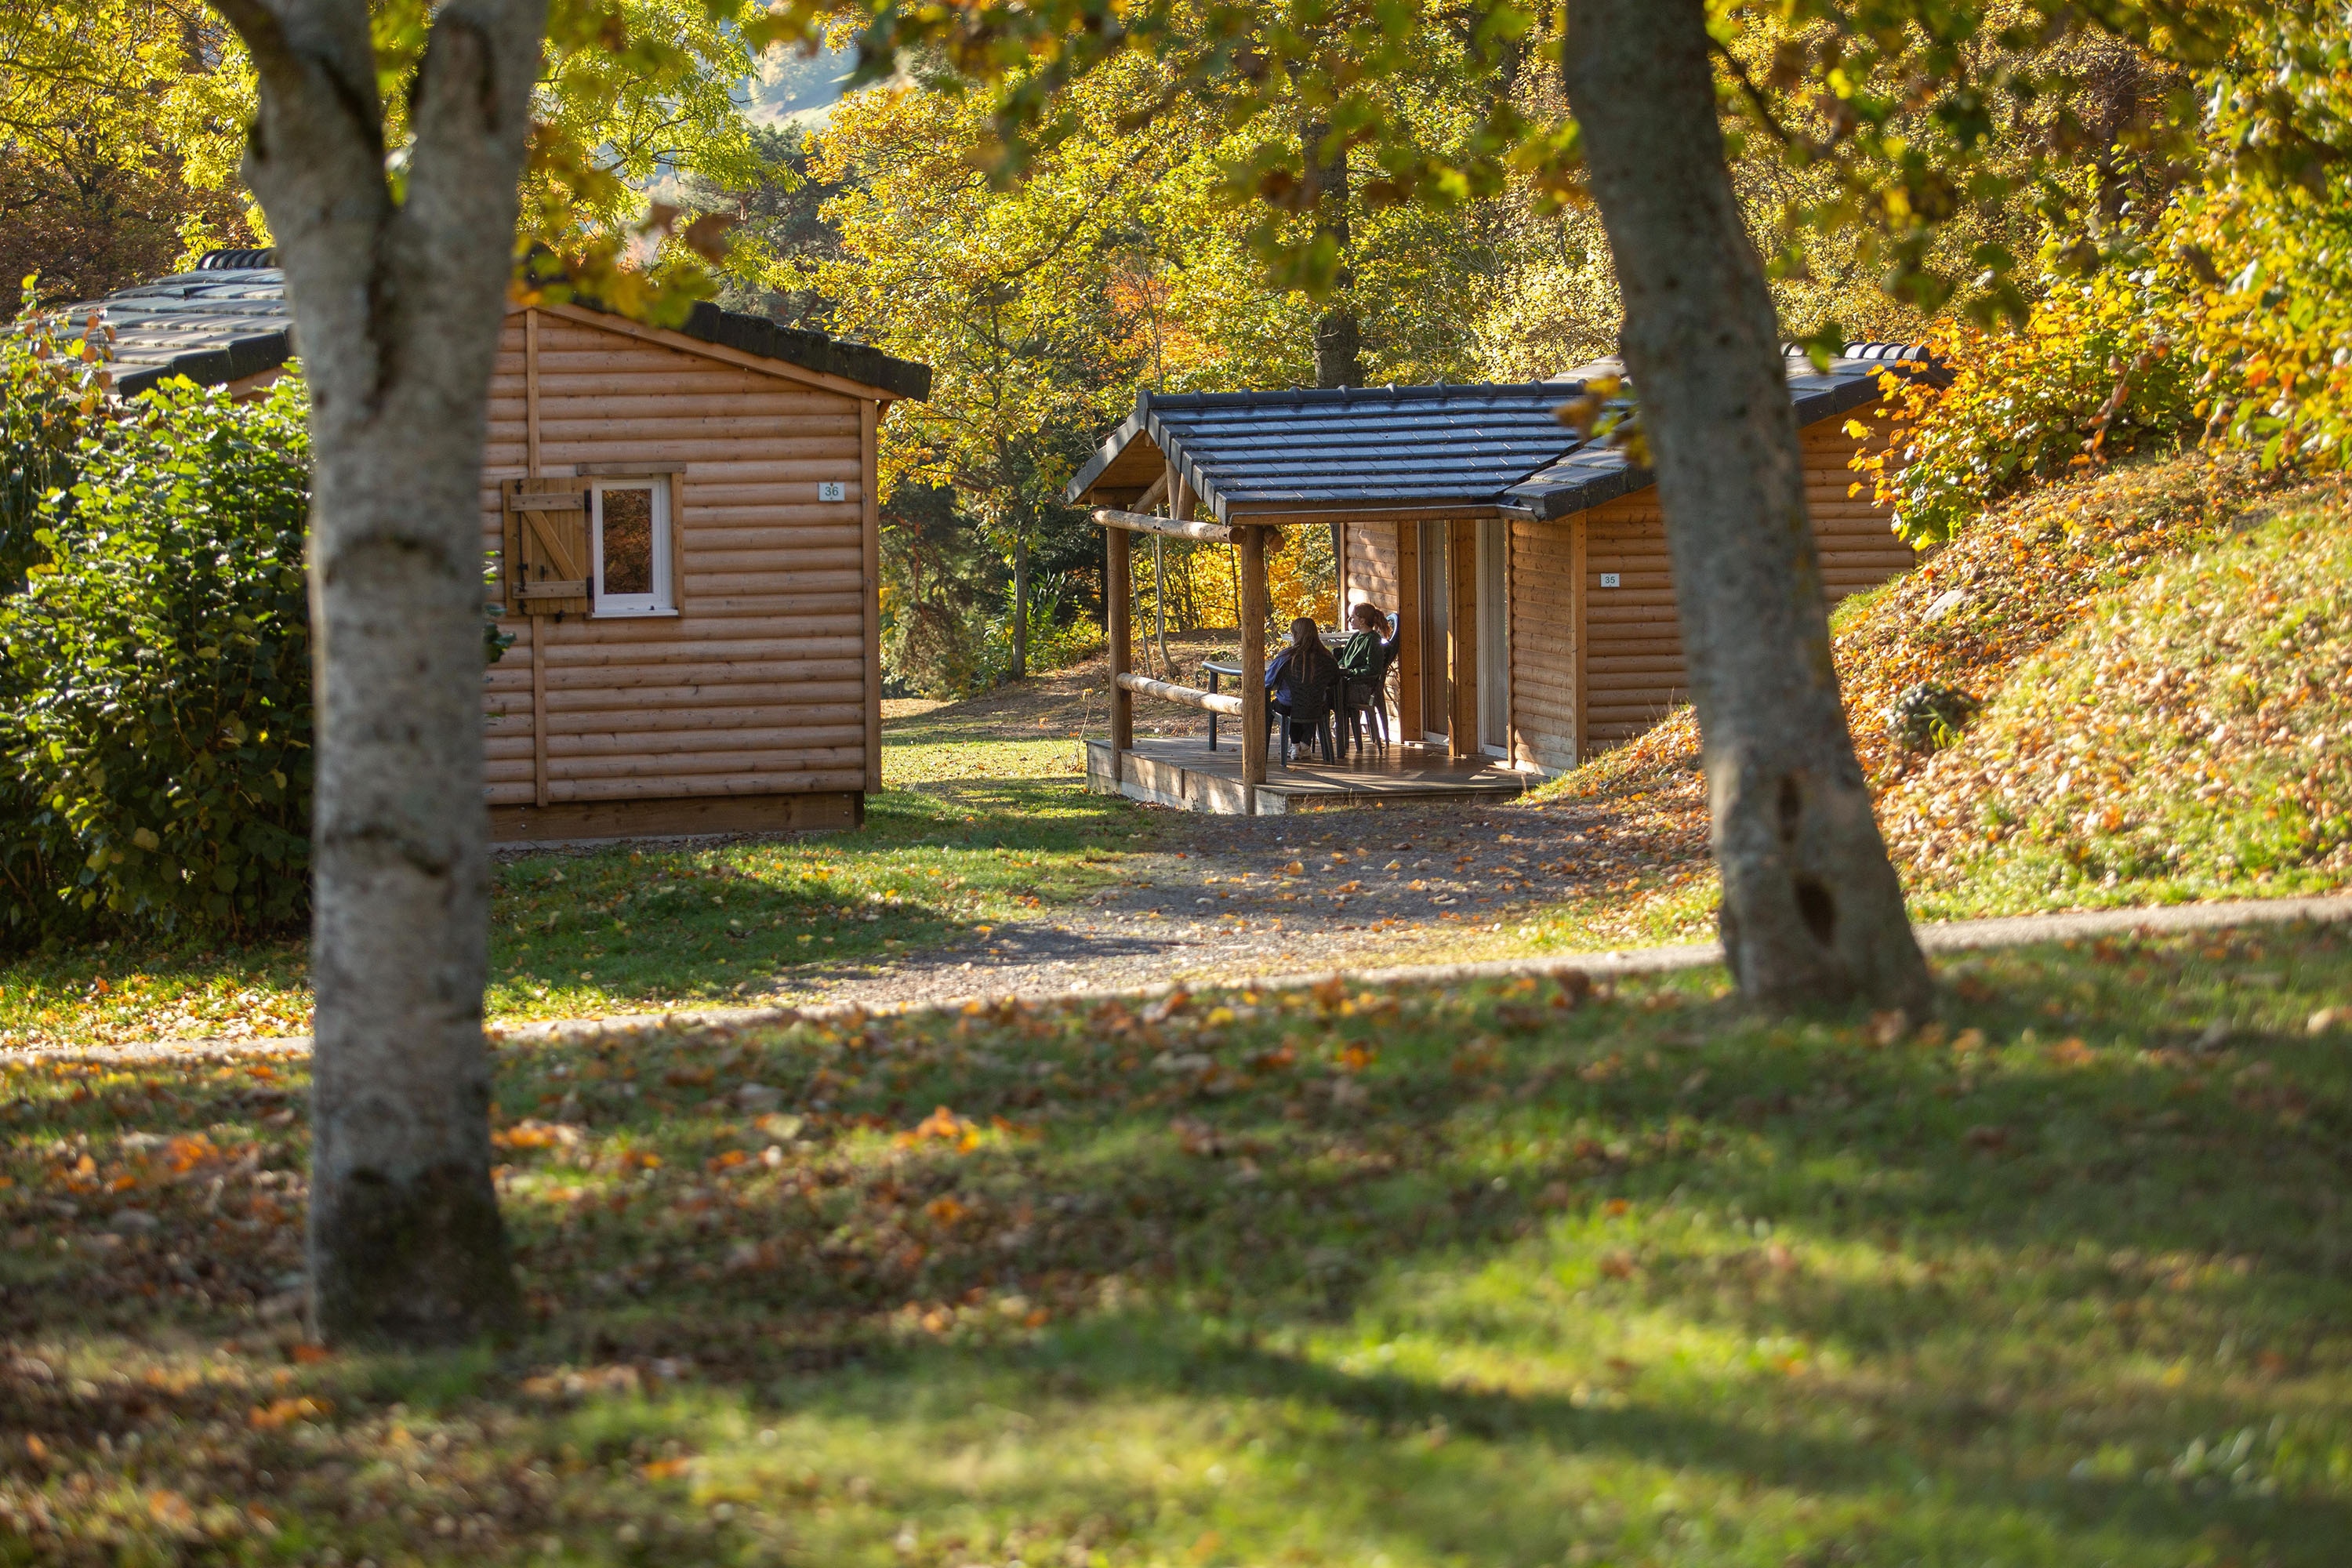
[629, 538]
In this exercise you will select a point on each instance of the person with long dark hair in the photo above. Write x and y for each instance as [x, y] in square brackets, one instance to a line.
[1303, 682]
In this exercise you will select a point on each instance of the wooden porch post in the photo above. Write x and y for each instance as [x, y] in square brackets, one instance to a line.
[1249, 551]
[1410, 725]
[1120, 633]
[1462, 632]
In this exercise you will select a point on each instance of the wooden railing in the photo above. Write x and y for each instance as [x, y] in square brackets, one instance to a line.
[1225, 702]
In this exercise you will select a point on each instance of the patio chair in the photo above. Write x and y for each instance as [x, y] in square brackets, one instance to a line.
[1320, 716]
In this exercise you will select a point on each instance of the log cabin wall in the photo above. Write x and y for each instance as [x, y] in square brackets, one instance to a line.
[1543, 644]
[1372, 566]
[753, 706]
[1633, 673]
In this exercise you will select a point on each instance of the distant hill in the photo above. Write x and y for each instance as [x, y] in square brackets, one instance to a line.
[797, 88]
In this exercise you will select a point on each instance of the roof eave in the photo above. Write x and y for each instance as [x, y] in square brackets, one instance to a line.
[239, 358]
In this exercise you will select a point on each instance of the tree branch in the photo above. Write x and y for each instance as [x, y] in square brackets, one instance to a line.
[1757, 101]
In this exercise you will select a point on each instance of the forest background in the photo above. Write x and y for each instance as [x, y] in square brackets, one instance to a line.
[2119, 276]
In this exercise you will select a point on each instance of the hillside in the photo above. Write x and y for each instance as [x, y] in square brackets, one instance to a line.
[2161, 652]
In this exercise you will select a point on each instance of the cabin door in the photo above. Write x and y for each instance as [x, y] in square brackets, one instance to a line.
[1494, 637]
[1436, 638]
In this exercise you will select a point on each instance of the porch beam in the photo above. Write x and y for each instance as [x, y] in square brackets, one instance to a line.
[1277, 518]
[1142, 523]
[1462, 631]
[1152, 496]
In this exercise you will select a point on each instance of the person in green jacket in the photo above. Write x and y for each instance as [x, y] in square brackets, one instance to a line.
[1361, 656]
[1361, 664]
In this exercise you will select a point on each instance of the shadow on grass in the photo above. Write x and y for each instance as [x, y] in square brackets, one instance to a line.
[1432, 1276]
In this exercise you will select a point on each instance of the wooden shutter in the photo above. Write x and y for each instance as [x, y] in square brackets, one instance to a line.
[549, 561]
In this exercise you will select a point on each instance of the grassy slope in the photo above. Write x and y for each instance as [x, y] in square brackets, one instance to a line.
[1409, 1280]
[2117, 619]
[2190, 738]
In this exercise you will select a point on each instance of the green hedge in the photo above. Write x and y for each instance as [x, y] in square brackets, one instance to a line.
[52, 393]
[155, 680]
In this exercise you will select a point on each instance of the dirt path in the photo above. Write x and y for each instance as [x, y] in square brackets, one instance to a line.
[1951, 936]
[1230, 897]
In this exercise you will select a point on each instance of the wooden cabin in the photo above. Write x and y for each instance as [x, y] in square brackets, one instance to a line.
[1528, 567]
[687, 532]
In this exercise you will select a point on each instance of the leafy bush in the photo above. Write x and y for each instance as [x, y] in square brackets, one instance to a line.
[52, 393]
[156, 679]
[2263, 248]
[2096, 372]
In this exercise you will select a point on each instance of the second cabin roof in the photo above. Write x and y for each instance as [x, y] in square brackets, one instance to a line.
[1350, 450]
[230, 318]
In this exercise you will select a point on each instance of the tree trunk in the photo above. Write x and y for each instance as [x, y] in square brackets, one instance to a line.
[1338, 336]
[1811, 909]
[1021, 604]
[1160, 605]
[397, 307]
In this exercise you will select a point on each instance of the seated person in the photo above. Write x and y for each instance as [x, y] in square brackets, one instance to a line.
[1302, 681]
[1363, 664]
[1368, 637]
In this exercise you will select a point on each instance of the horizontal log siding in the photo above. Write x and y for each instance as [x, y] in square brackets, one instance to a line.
[1543, 645]
[756, 686]
[1372, 566]
[1634, 674]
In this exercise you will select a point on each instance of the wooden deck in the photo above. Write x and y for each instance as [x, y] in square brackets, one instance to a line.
[1181, 771]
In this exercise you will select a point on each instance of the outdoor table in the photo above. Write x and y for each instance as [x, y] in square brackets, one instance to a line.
[1215, 668]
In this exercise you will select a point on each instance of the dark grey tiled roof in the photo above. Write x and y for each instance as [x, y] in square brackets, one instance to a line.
[1377, 449]
[230, 318]
[1591, 475]
[1345, 448]
[215, 324]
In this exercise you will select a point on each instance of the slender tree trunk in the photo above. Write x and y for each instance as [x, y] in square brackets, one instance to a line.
[1159, 604]
[397, 307]
[1811, 909]
[1021, 604]
[1339, 335]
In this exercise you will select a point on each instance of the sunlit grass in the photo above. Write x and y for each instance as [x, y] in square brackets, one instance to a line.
[1348, 1278]
[909, 762]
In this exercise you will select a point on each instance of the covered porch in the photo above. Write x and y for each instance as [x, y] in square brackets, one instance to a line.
[1181, 771]
[1232, 467]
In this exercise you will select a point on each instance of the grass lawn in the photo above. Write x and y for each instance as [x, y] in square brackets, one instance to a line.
[1395, 1278]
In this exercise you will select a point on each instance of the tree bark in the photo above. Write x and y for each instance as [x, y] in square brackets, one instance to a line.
[397, 307]
[1021, 604]
[1811, 909]
[1339, 335]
